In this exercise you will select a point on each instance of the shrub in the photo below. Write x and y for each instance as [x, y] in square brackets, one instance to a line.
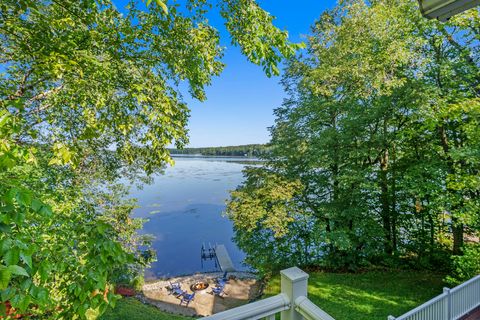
[465, 266]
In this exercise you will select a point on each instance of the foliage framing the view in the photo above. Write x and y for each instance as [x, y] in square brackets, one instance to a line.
[90, 93]
[380, 128]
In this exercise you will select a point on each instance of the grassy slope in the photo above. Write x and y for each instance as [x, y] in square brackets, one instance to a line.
[365, 296]
[368, 296]
[132, 309]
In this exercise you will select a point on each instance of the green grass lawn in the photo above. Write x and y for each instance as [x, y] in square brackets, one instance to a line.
[132, 309]
[370, 295]
[365, 296]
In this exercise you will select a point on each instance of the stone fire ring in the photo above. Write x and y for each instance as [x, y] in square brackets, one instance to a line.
[199, 286]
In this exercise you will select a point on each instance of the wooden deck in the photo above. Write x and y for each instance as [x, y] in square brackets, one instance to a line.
[473, 315]
[223, 258]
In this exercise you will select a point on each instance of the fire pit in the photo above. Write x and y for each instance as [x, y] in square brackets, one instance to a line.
[199, 286]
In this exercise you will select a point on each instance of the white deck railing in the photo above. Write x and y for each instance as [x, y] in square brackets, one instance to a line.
[266, 308]
[309, 310]
[292, 303]
[452, 304]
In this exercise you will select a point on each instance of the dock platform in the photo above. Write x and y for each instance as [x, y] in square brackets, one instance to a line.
[223, 258]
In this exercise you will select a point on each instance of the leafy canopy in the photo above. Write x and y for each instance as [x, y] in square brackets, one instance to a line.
[379, 133]
[90, 93]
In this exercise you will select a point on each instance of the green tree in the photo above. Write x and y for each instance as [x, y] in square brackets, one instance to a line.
[89, 94]
[378, 129]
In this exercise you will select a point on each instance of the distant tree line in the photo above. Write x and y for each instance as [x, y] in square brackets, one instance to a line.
[248, 150]
[375, 154]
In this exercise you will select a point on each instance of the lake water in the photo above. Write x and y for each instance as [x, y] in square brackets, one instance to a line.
[185, 209]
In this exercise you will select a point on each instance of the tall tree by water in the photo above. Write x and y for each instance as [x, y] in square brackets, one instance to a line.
[378, 136]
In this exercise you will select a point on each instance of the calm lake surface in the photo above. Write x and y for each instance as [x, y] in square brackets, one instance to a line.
[185, 209]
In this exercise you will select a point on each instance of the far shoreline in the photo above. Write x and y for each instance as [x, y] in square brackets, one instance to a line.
[179, 155]
[237, 159]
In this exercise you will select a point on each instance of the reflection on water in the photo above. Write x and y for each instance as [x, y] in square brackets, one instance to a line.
[184, 207]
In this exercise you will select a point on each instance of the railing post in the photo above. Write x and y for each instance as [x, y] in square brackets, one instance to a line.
[391, 318]
[449, 303]
[294, 284]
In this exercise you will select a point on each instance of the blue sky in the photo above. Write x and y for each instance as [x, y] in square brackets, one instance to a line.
[240, 103]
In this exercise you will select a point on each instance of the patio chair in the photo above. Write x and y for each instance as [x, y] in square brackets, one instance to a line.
[178, 292]
[219, 291]
[187, 298]
[223, 280]
[174, 285]
[175, 289]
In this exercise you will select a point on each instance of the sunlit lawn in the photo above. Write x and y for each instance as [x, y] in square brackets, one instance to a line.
[370, 295]
[132, 309]
[364, 296]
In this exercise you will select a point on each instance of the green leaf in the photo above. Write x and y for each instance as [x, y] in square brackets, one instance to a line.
[92, 314]
[5, 245]
[7, 294]
[26, 284]
[162, 5]
[54, 161]
[102, 227]
[42, 295]
[66, 155]
[4, 117]
[11, 195]
[45, 211]
[3, 309]
[43, 272]
[11, 257]
[5, 277]
[24, 303]
[26, 258]
[36, 205]
[7, 208]
[20, 301]
[24, 198]
[77, 290]
[19, 217]
[17, 270]
[5, 228]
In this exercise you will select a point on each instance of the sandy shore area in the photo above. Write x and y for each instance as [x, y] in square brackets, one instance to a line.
[241, 288]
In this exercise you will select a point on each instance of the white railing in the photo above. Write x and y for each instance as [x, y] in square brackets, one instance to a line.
[292, 303]
[465, 297]
[452, 304]
[266, 308]
[309, 310]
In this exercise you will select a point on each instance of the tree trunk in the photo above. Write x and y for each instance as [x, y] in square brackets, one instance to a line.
[457, 230]
[385, 203]
[393, 211]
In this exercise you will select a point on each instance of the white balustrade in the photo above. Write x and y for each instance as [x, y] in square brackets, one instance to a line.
[255, 310]
[452, 304]
[292, 303]
[309, 310]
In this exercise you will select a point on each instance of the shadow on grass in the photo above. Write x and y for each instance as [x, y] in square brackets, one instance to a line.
[370, 295]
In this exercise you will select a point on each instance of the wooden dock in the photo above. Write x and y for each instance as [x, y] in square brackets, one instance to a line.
[223, 258]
